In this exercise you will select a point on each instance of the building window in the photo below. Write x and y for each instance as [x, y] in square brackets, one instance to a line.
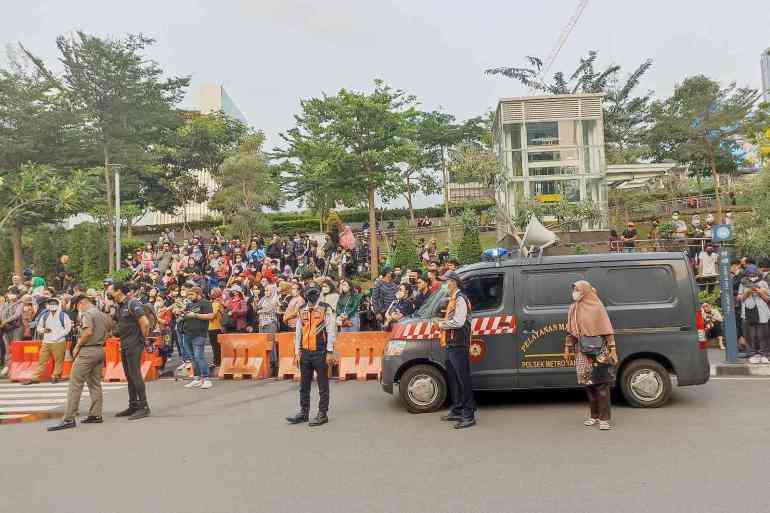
[553, 191]
[543, 134]
[553, 171]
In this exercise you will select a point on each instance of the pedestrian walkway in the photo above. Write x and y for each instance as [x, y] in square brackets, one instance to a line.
[35, 402]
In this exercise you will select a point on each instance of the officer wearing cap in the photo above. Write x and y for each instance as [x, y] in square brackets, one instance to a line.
[456, 338]
[133, 328]
[314, 346]
[87, 367]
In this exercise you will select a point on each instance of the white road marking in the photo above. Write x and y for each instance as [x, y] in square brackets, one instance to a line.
[725, 378]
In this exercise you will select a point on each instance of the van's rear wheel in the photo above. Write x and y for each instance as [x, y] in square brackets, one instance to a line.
[645, 384]
[422, 389]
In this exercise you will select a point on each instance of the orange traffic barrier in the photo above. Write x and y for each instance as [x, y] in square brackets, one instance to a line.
[286, 367]
[25, 355]
[113, 363]
[360, 354]
[245, 354]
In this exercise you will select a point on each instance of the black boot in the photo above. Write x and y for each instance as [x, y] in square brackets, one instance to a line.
[127, 412]
[320, 419]
[140, 413]
[465, 423]
[91, 419]
[64, 424]
[299, 418]
[451, 417]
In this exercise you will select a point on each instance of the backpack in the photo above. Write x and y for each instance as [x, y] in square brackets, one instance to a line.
[152, 317]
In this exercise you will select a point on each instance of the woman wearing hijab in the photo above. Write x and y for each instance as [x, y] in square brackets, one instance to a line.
[588, 318]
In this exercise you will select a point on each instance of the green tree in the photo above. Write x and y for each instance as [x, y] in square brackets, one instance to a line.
[406, 254]
[123, 101]
[350, 146]
[700, 126]
[247, 184]
[626, 117]
[468, 250]
[752, 229]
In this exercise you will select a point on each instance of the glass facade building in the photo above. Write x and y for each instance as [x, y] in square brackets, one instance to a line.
[552, 150]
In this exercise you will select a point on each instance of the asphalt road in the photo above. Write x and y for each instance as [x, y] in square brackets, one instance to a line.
[229, 450]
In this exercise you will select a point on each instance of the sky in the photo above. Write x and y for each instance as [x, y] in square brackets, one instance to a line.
[270, 54]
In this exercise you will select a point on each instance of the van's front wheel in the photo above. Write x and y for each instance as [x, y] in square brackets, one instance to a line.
[645, 384]
[422, 389]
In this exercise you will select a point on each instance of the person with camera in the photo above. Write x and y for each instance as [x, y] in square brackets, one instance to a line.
[314, 352]
[591, 338]
[753, 294]
[133, 328]
[455, 337]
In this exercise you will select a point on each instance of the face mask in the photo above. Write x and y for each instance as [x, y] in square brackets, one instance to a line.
[754, 279]
[345, 288]
[675, 218]
[325, 290]
[51, 308]
[576, 295]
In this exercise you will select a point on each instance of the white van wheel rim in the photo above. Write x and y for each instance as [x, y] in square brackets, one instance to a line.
[422, 390]
[646, 385]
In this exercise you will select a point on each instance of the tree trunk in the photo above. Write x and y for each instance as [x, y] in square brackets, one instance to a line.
[408, 196]
[446, 198]
[18, 257]
[373, 243]
[109, 214]
[715, 177]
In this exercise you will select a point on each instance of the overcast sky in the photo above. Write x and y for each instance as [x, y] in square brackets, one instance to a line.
[269, 54]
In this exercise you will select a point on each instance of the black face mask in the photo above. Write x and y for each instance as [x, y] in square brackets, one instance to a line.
[313, 295]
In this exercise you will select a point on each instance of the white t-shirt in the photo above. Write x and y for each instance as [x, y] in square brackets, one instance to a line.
[707, 264]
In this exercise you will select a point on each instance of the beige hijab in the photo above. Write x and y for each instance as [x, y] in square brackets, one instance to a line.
[587, 316]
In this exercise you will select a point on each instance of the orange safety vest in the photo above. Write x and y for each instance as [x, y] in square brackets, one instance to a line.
[313, 328]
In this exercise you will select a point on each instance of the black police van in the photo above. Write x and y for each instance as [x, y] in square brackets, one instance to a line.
[519, 320]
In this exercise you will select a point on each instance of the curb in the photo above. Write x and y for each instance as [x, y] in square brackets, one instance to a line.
[739, 369]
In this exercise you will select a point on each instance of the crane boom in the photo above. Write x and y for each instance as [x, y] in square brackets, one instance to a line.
[562, 40]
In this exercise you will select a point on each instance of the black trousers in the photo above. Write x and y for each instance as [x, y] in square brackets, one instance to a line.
[599, 401]
[216, 348]
[132, 366]
[309, 362]
[458, 368]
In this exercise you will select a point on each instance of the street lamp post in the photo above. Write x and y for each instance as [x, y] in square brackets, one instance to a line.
[118, 256]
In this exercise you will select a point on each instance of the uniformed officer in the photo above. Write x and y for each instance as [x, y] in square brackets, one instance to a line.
[456, 338]
[87, 367]
[133, 329]
[314, 346]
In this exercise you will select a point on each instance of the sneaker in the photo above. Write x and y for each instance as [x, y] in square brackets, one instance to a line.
[206, 384]
[4, 372]
[181, 366]
[196, 383]
[590, 422]
[604, 425]
[755, 359]
[764, 360]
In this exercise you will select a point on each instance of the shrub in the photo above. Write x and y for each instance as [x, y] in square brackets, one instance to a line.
[406, 254]
[468, 250]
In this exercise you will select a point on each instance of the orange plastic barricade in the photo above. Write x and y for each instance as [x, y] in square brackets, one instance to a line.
[25, 355]
[361, 354]
[286, 367]
[244, 354]
[24, 358]
[113, 363]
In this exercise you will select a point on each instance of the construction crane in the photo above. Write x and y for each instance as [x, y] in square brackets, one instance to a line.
[561, 42]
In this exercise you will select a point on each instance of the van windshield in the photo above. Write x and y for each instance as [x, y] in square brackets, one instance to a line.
[430, 304]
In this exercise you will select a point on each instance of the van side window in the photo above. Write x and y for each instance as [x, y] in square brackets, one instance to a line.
[484, 292]
[634, 285]
[546, 289]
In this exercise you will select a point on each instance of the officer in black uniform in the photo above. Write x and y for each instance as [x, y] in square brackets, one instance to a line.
[456, 333]
[133, 329]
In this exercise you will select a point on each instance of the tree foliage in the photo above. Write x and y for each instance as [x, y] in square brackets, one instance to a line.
[468, 249]
[347, 147]
[407, 253]
[247, 184]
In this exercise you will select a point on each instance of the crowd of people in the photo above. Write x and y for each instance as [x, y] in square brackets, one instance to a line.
[253, 287]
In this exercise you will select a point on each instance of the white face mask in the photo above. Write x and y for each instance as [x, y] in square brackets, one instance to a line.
[577, 295]
[51, 308]
[325, 290]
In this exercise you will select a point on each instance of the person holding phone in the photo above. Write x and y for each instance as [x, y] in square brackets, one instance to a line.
[53, 327]
[753, 294]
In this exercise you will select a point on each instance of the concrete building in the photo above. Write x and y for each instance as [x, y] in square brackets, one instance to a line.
[765, 64]
[214, 98]
[552, 148]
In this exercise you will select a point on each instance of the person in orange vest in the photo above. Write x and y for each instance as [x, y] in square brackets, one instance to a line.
[314, 351]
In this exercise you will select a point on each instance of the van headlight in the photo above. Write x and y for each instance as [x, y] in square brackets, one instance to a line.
[395, 347]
